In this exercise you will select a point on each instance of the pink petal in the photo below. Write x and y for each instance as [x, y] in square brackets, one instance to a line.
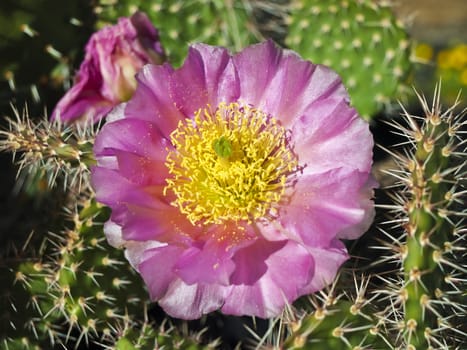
[141, 170]
[331, 135]
[256, 66]
[156, 268]
[285, 85]
[148, 36]
[327, 263]
[323, 205]
[250, 262]
[83, 99]
[134, 136]
[192, 301]
[207, 77]
[164, 224]
[289, 269]
[207, 264]
[366, 195]
[152, 100]
[209, 260]
[106, 181]
[106, 75]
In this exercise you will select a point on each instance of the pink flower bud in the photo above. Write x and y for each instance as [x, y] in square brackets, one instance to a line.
[106, 77]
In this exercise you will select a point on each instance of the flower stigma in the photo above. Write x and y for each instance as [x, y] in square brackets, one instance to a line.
[233, 163]
[223, 147]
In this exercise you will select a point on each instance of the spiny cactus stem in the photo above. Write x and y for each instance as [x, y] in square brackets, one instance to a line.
[417, 263]
[49, 147]
[341, 324]
[430, 187]
[303, 328]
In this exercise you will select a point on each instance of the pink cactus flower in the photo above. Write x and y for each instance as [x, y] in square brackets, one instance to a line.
[106, 77]
[233, 178]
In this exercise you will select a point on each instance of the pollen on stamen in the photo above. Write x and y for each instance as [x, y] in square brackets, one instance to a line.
[229, 164]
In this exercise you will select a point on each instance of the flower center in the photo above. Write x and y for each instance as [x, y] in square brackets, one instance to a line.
[233, 163]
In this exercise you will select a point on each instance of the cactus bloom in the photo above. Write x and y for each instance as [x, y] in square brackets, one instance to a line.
[106, 76]
[233, 178]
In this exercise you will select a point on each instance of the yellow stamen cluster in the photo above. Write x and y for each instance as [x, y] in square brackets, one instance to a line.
[233, 163]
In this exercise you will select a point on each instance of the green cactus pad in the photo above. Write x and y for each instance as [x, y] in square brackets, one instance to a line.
[83, 287]
[361, 40]
[146, 336]
[345, 317]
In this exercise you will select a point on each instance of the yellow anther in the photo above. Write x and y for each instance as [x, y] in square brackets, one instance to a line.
[232, 163]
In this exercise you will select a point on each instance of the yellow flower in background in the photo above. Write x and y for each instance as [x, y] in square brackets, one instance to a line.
[459, 57]
[451, 68]
[453, 58]
[424, 52]
[464, 77]
[443, 59]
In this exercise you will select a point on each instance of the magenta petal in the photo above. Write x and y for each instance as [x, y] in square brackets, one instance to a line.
[164, 224]
[148, 36]
[250, 262]
[207, 77]
[192, 301]
[152, 100]
[105, 181]
[135, 136]
[285, 85]
[329, 128]
[289, 270]
[256, 66]
[366, 195]
[141, 170]
[156, 269]
[209, 260]
[83, 99]
[208, 264]
[325, 204]
[106, 76]
[285, 96]
[327, 263]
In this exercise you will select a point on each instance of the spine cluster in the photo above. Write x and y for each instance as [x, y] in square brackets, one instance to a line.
[49, 150]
